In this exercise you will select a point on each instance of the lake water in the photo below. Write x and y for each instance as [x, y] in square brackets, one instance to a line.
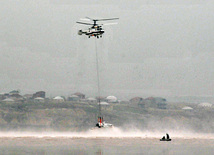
[92, 143]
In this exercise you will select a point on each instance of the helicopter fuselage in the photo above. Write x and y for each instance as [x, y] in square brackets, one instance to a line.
[92, 32]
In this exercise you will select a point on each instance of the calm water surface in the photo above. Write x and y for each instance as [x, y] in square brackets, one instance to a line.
[102, 146]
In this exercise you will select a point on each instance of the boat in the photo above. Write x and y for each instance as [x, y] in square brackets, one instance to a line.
[165, 139]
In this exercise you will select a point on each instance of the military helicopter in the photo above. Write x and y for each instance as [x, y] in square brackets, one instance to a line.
[95, 30]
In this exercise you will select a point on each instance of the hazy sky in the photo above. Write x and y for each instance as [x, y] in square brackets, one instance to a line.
[158, 47]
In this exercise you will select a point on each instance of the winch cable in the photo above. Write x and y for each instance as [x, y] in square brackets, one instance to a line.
[98, 77]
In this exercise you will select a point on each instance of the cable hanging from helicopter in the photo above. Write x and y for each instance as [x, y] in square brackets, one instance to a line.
[95, 30]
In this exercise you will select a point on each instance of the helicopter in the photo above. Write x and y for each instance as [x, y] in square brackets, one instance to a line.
[95, 30]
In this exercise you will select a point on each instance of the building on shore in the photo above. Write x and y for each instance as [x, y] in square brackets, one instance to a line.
[80, 95]
[14, 92]
[111, 99]
[58, 99]
[205, 105]
[154, 102]
[91, 100]
[39, 94]
[73, 98]
[137, 101]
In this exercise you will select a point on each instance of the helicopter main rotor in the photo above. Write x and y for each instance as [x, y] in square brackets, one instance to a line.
[95, 21]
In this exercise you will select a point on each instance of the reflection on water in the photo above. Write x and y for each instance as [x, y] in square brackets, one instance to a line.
[102, 146]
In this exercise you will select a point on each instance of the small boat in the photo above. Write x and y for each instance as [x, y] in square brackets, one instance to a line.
[165, 139]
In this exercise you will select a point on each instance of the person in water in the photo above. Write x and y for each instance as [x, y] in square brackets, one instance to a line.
[167, 136]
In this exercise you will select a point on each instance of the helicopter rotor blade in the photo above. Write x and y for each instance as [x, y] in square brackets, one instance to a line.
[84, 19]
[110, 24]
[101, 19]
[89, 18]
[107, 19]
[84, 23]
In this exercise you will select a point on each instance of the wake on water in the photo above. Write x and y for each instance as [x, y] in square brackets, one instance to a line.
[107, 133]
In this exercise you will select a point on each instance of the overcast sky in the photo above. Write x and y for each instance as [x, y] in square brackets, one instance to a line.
[158, 47]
